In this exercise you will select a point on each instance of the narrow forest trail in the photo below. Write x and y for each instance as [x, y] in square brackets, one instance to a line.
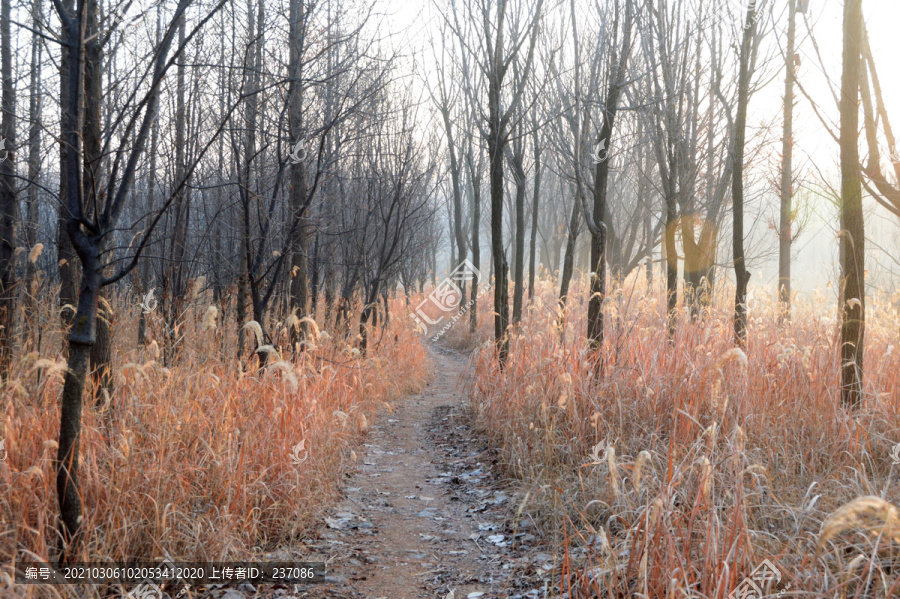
[423, 513]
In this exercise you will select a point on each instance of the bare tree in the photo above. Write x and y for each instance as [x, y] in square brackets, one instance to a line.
[537, 151]
[30, 221]
[445, 98]
[299, 272]
[9, 203]
[494, 59]
[852, 235]
[596, 219]
[474, 170]
[89, 227]
[66, 258]
[785, 233]
[92, 181]
[875, 110]
[737, 183]
[515, 151]
[669, 115]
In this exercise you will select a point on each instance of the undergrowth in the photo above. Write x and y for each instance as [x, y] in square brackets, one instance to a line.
[209, 458]
[673, 468]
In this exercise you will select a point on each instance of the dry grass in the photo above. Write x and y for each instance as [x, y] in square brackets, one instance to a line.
[196, 461]
[679, 468]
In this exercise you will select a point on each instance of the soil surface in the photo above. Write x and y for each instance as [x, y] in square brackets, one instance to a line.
[424, 514]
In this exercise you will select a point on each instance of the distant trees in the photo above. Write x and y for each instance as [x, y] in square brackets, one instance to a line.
[670, 49]
[498, 38]
[671, 180]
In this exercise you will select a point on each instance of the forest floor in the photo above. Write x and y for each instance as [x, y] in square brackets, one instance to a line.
[425, 514]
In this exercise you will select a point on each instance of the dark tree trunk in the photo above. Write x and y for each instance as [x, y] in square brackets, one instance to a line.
[501, 269]
[692, 262]
[181, 205]
[329, 291]
[599, 229]
[243, 283]
[250, 119]
[742, 277]
[369, 313]
[534, 219]
[88, 230]
[598, 246]
[568, 263]
[82, 333]
[299, 300]
[9, 203]
[68, 268]
[315, 278]
[101, 350]
[852, 238]
[671, 266]
[34, 168]
[476, 246]
[151, 190]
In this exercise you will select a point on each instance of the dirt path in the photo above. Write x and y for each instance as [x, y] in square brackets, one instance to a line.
[423, 514]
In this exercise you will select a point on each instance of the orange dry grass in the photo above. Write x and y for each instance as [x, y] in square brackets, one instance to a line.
[748, 453]
[194, 461]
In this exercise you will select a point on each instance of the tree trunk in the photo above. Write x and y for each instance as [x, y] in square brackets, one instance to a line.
[68, 269]
[852, 237]
[692, 261]
[476, 246]
[785, 234]
[67, 488]
[151, 191]
[175, 276]
[9, 206]
[742, 277]
[599, 230]
[568, 264]
[315, 277]
[534, 218]
[299, 274]
[101, 350]
[501, 269]
[82, 333]
[250, 119]
[671, 258]
[34, 168]
[369, 313]
[519, 258]
[598, 246]
[459, 235]
[329, 290]
[88, 239]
